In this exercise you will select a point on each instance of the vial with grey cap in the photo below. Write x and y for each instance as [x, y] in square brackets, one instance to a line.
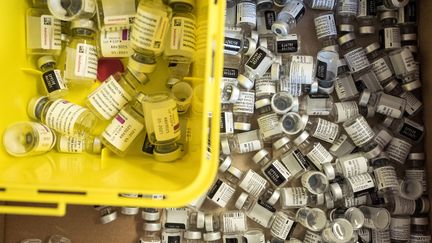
[288, 17]
[354, 215]
[380, 63]
[246, 14]
[376, 218]
[243, 110]
[353, 186]
[152, 233]
[346, 12]
[313, 219]
[256, 210]
[242, 143]
[297, 197]
[235, 43]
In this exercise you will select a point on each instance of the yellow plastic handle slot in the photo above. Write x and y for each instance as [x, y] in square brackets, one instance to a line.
[59, 210]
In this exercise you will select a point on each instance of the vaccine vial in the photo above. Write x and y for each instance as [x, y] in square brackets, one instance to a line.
[366, 17]
[380, 63]
[405, 68]
[253, 183]
[61, 115]
[107, 215]
[54, 85]
[115, 15]
[347, 166]
[313, 219]
[242, 143]
[125, 127]
[398, 150]
[115, 92]
[258, 211]
[346, 13]
[265, 87]
[28, 138]
[316, 104]
[390, 106]
[342, 146]
[74, 144]
[283, 226]
[325, 27]
[315, 182]
[281, 146]
[354, 216]
[192, 236]
[376, 218]
[288, 17]
[389, 35]
[321, 129]
[343, 111]
[282, 45]
[152, 233]
[255, 67]
[291, 123]
[339, 230]
[345, 87]
[413, 104]
[233, 222]
[227, 120]
[354, 54]
[326, 70]
[243, 111]
[419, 230]
[212, 237]
[80, 56]
[405, 128]
[400, 206]
[221, 192]
[72, 10]
[246, 14]
[409, 39]
[268, 121]
[236, 43]
[353, 186]
[400, 227]
[236, 237]
[411, 188]
[314, 151]
[254, 235]
[273, 169]
[415, 168]
[181, 41]
[297, 197]
[385, 175]
[359, 130]
[114, 42]
[282, 102]
[150, 214]
[150, 27]
[321, 5]
[230, 94]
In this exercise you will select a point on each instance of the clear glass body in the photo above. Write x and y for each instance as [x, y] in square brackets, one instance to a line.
[258, 213]
[321, 5]
[316, 182]
[344, 85]
[326, 68]
[151, 236]
[193, 236]
[113, 137]
[322, 129]
[415, 169]
[389, 25]
[358, 185]
[233, 221]
[256, 66]
[354, 215]
[385, 175]
[268, 123]
[313, 219]
[284, 46]
[413, 104]
[150, 214]
[28, 138]
[288, 17]
[297, 197]
[72, 144]
[115, 14]
[243, 111]
[178, 71]
[35, 28]
[339, 231]
[316, 105]
[407, 129]
[243, 142]
[376, 218]
[183, 20]
[280, 148]
[381, 65]
[235, 43]
[54, 84]
[354, 54]
[351, 164]
[72, 10]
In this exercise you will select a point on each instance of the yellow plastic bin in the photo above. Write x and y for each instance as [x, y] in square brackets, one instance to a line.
[61, 179]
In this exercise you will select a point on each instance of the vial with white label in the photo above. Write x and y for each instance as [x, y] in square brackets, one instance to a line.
[181, 40]
[72, 10]
[321, 129]
[325, 27]
[62, 116]
[273, 169]
[376, 218]
[353, 186]
[257, 210]
[366, 17]
[321, 4]
[389, 35]
[283, 226]
[282, 45]
[115, 14]
[152, 233]
[347, 166]
[232, 221]
[398, 150]
[236, 43]
[359, 130]
[354, 215]
[80, 57]
[150, 27]
[338, 231]
[297, 197]
[405, 68]
[345, 86]
[265, 87]
[54, 85]
[74, 144]
[389, 105]
[380, 63]
[252, 183]
[385, 175]
[314, 151]
[150, 214]
[246, 14]
[226, 121]
[413, 104]
[420, 230]
[406, 128]
[288, 17]
[409, 38]
[346, 13]
[354, 54]
[313, 219]
[342, 146]
[243, 110]
[221, 192]
[268, 121]
[343, 111]
[107, 214]
[125, 127]
[255, 67]
[242, 143]
[415, 168]
[192, 236]
[28, 138]
[282, 102]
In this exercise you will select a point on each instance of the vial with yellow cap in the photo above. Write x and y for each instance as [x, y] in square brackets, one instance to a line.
[80, 57]
[119, 89]
[181, 45]
[54, 84]
[74, 144]
[72, 9]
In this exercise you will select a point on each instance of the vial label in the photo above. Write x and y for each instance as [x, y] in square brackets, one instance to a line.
[323, 4]
[325, 26]
[282, 226]
[53, 81]
[380, 236]
[296, 9]
[118, 18]
[295, 162]
[71, 144]
[269, 125]
[152, 241]
[411, 130]
[62, 116]
[383, 138]
[256, 59]
[245, 103]
[319, 155]
[86, 61]
[183, 37]
[321, 70]
[166, 122]
[345, 111]
[115, 43]
[361, 183]
[277, 173]
[246, 12]
[232, 46]
[412, 103]
[390, 38]
[367, 8]
[345, 88]
[348, 7]
[357, 60]
[227, 123]
[312, 237]
[221, 193]
[270, 18]
[400, 229]
[386, 177]
[381, 69]
[50, 33]
[171, 237]
[417, 174]
[234, 222]
[109, 98]
[124, 128]
[46, 138]
[248, 142]
[176, 218]
[398, 150]
[294, 197]
[403, 206]
[359, 131]
[301, 69]
[355, 201]
[390, 108]
[253, 183]
[149, 28]
[408, 60]
[354, 166]
[420, 238]
[265, 86]
[326, 130]
[292, 88]
[262, 213]
[287, 44]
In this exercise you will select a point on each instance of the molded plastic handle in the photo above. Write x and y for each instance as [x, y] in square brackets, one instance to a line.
[59, 210]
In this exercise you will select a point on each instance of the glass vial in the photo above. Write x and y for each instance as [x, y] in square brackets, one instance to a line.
[246, 14]
[380, 63]
[242, 143]
[255, 67]
[415, 168]
[325, 28]
[297, 197]
[389, 35]
[313, 219]
[73, 144]
[413, 104]
[419, 230]
[233, 222]
[400, 227]
[243, 111]
[366, 17]
[358, 130]
[55, 86]
[354, 54]
[258, 211]
[268, 121]
[321, 5]
[115, 14]
[314, 151]
[273, 169]
[283, 226]
[354, 215]
[221, 192]
[376, 218]
[288, 17]
[339, 231]
[322, 129]
[385, 175]
[72, 10]
[152, 233]
[346, 13]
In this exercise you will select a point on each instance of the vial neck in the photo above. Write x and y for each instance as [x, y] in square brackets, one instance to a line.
[83, 33]
[48, 66]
